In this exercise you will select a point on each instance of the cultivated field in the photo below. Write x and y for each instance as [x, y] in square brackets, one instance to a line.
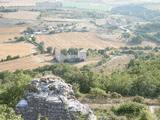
[25, 63]
[10, 32]
[77, 40]
[21, 15]
[13, 49]
[10, 48]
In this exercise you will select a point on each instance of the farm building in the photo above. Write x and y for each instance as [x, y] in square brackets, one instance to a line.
[71, 55]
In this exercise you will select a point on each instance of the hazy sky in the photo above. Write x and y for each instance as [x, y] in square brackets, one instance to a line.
[32, 2]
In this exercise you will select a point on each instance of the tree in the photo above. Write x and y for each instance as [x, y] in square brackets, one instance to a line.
[14, 89]
[136, 40]
[144, 86]
[73, 51]
[41, 47]
[64, 51]
[33, 39]
[29, 30]
[8, 57]
[49, 50]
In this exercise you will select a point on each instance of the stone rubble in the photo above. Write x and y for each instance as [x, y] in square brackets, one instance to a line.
[50, 98]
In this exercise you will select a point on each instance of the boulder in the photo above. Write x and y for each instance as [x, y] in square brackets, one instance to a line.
[53, 99]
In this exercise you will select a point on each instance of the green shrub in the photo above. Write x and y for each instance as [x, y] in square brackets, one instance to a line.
[145, 115]
[158, 113]
[115, 95]
[10, 58]
[138, 99]
[49, 50]
[129, 109]
[7, 113]
[98, 92]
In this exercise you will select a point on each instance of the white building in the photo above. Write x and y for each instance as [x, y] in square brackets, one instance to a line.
[81, 56]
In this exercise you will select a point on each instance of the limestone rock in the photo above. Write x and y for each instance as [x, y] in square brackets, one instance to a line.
[50, 97]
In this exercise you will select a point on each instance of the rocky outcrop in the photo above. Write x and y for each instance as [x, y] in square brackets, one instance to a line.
[52, 99]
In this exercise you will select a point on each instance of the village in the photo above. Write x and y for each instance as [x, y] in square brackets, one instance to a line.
[56, 56]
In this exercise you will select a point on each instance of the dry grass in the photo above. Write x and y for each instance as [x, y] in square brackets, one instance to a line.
[7, 33]
[24, 15]
[12, 30]
[25, 63]
[13, 49]
[77, 40]
[116, 63]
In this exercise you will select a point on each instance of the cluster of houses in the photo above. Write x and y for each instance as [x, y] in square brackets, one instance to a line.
[54, 29]
[68, 27]
[70, 55]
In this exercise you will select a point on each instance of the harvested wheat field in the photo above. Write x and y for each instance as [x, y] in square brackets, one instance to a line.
[77, 40]
[7, 33]
[21, 15]
[13, 49]
[10, 48]
[25, 63]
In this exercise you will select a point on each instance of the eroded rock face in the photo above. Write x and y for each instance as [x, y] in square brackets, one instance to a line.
[51, 98]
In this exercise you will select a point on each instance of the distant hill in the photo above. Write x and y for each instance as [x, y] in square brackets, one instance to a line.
[136, 10]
